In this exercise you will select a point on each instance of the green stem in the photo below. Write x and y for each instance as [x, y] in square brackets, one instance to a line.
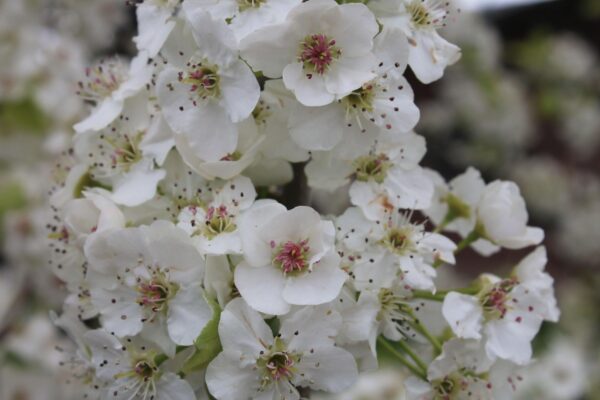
[450, 216]
[466, 242]
[425, 295]
[406, 348]
[422, 329]
[440, 295]
[414, 369]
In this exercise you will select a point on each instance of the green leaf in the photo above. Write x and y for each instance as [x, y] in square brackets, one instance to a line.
[208, 344]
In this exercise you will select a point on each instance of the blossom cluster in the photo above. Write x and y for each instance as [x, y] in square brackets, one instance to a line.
[188, 279]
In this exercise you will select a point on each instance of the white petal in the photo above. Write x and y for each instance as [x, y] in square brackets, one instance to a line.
[511, 340]
[270, 49]
[348, 74]
[240, 90]
[317, 128]
[310, 327]
[172, 387]
[430, 54]
[105, 113]
[188, 314]
[262, 288]
[227, 381]
[154, 27]
[257, 252]
[331, 369]
[320, 286]
[309, 91]
[138, 185]
[464, 315]
[243, 332]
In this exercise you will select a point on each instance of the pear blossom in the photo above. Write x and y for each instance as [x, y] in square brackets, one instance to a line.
[391, 178]
[150, 283]
[289, 258]
[126, 156]
[205, 88]
[391, 247]
[509, 312]
[180, 228]
[454, 205]
[213, 226]
[385, 102]
[419, 20]
[255, 364]
[108, 85]
[503, 217]
[463, 371]
[322, 50]
[387, 176]
[131, 371]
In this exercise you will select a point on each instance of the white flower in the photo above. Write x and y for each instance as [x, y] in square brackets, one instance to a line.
[419, 19]
[509, 311]
[323, 50]
[214, 226]
[150, 282]
[454, 205]
[463, 371]
[391, 247]
[245, 16]
[389, 177]
[289, 258]
[386, 177]
[503, 217]
[108, 85]
[126, 155]
[205, 88]
[385, 102]
[131, 371]
[256, 365]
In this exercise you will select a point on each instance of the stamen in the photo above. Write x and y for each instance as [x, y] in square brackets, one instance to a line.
[317, 53]
[292, 257]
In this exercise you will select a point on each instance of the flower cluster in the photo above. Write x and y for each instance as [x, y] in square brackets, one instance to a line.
[188, 278]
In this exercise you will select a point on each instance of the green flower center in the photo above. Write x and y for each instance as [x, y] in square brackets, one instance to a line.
[203, 79]
[399, 240]
[495, 300]
[360, 99]
[372, 167]
[145, 369]
[277, 364]
[218, 221]
[156, 293]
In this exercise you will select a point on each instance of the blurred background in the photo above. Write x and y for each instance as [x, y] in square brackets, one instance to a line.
[522, 104]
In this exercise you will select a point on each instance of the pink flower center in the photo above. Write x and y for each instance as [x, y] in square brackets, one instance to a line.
[202, 78]
[280, 365]
[292, 257]
[317, 53]
[154, 294]
[495, 301]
